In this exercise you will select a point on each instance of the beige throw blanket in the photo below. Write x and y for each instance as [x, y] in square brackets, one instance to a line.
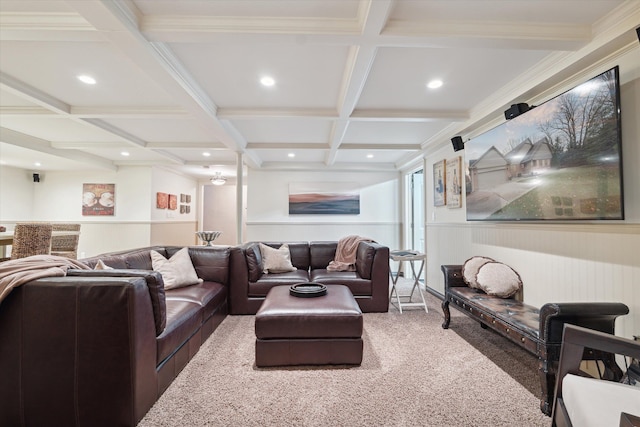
[16, 272]
[345, 258]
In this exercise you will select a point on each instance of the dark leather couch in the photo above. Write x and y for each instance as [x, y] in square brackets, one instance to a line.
[369, 284]
[99, 347]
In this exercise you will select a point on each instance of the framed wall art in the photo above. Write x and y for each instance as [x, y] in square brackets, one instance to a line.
[328, 198]
[98, 199]
[162, 200]
[439, 183]
[173, 202]
[454, 182]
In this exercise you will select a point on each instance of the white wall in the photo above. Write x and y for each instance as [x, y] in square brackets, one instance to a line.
[558, 262]
[16, 195]
[268, 207]
[136, 223]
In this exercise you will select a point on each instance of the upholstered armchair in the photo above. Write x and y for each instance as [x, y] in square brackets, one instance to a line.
[580, 399]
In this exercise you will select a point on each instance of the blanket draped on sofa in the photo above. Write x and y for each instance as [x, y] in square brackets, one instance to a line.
[15, 272]
[345, 258]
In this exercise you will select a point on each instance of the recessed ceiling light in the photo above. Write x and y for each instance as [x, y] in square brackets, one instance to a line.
[87, 79]
[369, 156]
[291, 155]
[267, 81]
[434, 84]
[124, 153]
[206, 154]
[38, 164]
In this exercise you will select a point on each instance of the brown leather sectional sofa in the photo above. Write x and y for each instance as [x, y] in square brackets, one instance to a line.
[369, 284]
[99, 347]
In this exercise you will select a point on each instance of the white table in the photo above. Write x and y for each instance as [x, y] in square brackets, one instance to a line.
[411, 257]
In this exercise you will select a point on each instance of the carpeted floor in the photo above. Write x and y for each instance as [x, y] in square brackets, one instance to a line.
[414, 373]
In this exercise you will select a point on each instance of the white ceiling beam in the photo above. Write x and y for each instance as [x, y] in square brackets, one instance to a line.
[287, 146]
[369, 146]
[408, 115]
[276, 113]
[30, 93]
[37, 144]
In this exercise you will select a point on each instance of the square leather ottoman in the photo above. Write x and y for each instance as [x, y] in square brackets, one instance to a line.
[324, 330]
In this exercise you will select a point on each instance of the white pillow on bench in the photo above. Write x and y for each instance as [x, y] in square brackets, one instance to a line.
[591, 402]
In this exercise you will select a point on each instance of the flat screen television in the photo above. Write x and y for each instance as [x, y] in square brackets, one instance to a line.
[561, 160]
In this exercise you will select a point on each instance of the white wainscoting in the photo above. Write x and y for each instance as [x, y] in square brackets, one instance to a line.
[557, 262]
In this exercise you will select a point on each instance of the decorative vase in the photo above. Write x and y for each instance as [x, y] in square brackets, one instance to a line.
[208, 236]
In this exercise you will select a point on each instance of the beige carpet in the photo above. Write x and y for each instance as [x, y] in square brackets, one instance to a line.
[414, 373]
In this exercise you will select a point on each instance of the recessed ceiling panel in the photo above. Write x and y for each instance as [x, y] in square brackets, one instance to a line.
[252, 8]
[372, 132]
[363, 156]
[399, 77]
[566, 11]
[305, 76]
[301, 156]
[164, 130]
[285, 130]
[53, 67]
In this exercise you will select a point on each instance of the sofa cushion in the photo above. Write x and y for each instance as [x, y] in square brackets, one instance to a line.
[209, 295]
[210, 262]
[364, 260]
[496, 278]
[357, 285]
[269, 280]
[254, 262]
[183, 320]
[322, 253]
[276, 260]
[592, 402]
[176, 271]
[471, 267]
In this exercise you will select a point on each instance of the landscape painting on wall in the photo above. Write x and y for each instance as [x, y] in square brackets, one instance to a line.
[561, 160]
[329, 198]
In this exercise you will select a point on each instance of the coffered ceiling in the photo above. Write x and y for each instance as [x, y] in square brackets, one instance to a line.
[176, 79]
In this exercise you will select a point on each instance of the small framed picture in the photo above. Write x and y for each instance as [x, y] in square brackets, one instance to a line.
[439, 183]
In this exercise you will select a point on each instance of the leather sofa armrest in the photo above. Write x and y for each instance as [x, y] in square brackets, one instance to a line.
[155, 285]
[380, 278]
[238, 282]
[77, 348]
[452, 276]
[598, 316]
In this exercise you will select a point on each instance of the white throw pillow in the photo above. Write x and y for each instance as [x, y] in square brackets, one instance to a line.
[276, 260]
[471, 267]
[176, 271]
[496, 278]
[100, 265]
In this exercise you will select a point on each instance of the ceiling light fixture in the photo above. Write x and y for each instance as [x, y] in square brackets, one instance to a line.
[124, 153]
[87, 79]
[218, 179]
[291, 155]
[267, 81]
[434, 84]
[206, 154]
[369, 156]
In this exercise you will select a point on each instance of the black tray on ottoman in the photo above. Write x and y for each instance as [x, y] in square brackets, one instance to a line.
[325, 330]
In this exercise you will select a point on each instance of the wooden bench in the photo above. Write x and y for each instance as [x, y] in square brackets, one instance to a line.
[539, 331]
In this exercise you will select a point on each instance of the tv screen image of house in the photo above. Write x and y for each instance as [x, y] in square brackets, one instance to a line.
[561, 160]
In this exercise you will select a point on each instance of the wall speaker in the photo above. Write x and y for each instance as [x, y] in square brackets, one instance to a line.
[36, 177]
[458, 143]
[515, 110]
